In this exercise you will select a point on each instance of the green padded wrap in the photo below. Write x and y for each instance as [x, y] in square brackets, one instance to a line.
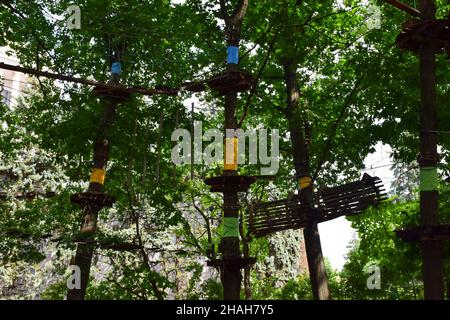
[428, 179]
[230, 227]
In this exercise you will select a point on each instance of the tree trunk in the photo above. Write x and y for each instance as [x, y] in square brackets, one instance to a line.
[316, 265]
[85, 250]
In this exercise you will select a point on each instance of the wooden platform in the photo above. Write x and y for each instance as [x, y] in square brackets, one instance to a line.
[90, 198]
[231, 182]
[116, 93]
[421, 233]
[193, 86]
[236, 262]
[417, 33]
[231, 82]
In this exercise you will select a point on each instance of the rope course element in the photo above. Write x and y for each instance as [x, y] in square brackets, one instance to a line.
[149, 92]
[345, 200]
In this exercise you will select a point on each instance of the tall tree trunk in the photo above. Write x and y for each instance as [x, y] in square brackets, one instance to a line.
[316, 265]
[85, 250]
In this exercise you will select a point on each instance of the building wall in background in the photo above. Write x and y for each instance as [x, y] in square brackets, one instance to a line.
[12, 83]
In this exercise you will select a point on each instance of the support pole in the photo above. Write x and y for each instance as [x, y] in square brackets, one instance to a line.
[85, 250]
[229, 246]
[432, 252]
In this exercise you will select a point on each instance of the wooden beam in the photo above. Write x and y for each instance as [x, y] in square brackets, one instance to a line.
[29, 195]
[404, 7]
[34, 72]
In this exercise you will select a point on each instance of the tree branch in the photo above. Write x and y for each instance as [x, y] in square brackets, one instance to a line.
[224, 12]
[140, 295]
[238, 16]
[208, 226]
[258, 77]
[153, 284]
[333, 129]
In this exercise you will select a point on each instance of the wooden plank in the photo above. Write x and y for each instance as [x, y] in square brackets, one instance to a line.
[404, 7]
[349, 199]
